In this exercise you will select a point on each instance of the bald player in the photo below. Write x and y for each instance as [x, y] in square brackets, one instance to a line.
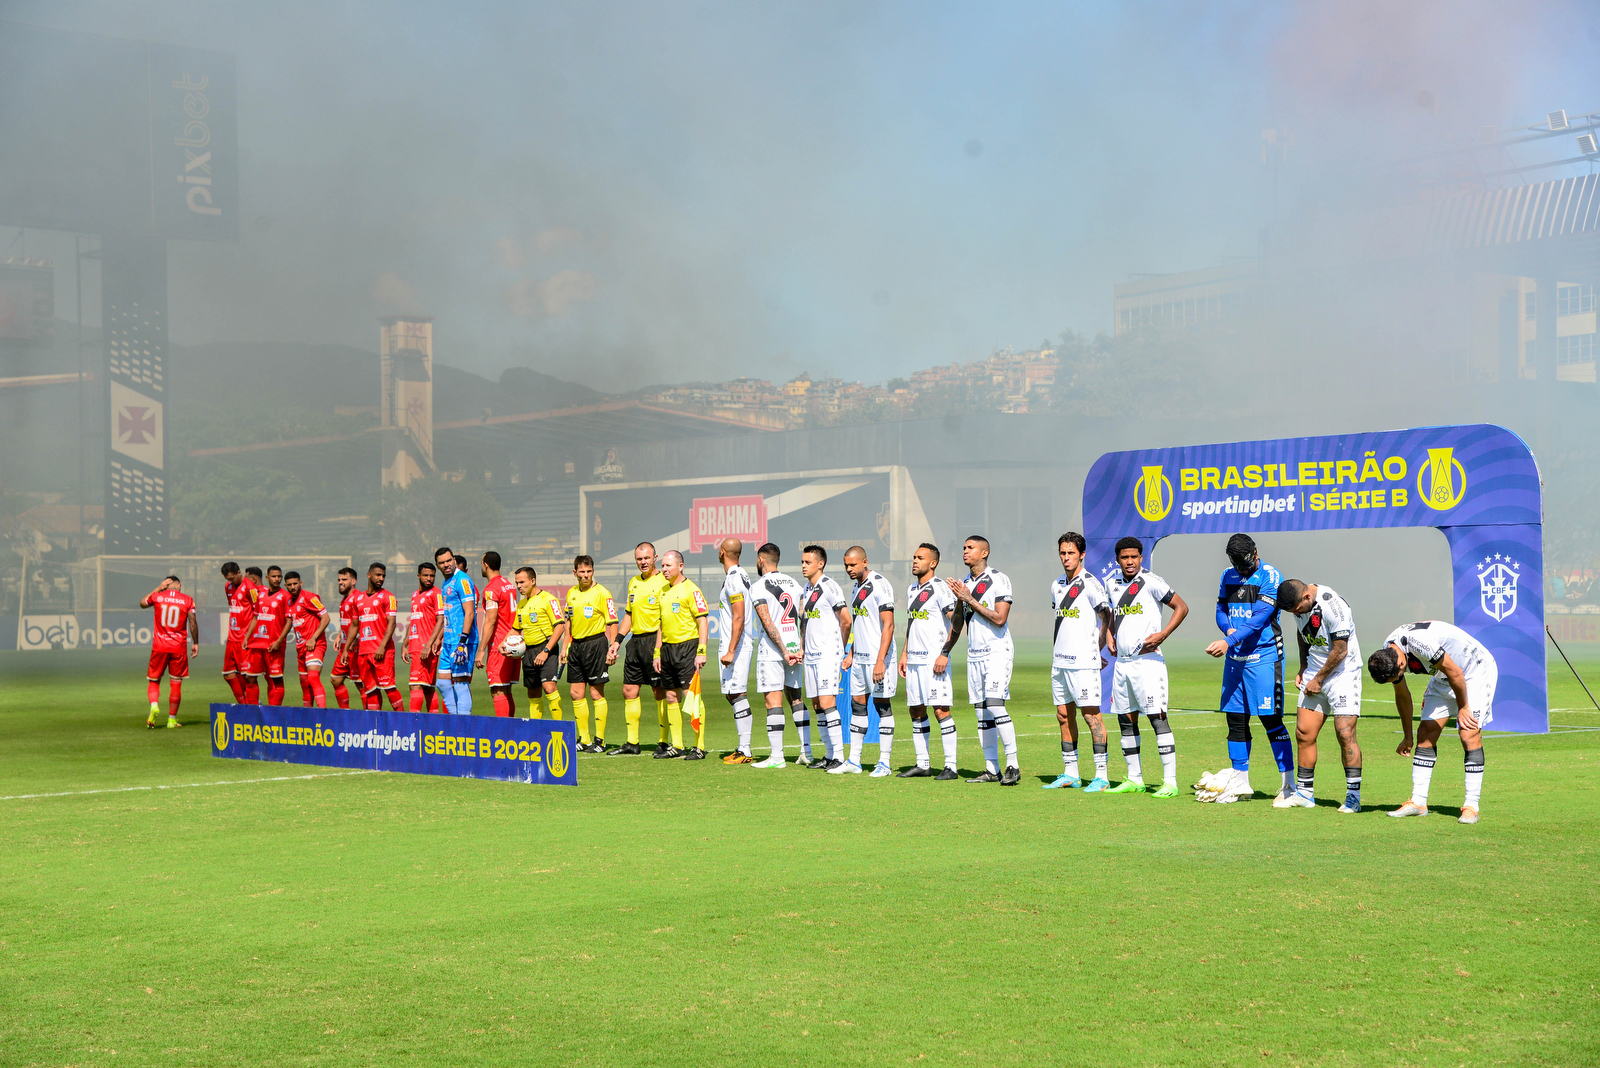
[874, 670]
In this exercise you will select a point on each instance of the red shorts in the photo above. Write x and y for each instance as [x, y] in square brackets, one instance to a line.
[424, 669]
[275, 661]
[376, 671]
[501, 669]
[342, 667]
[255, 662]
[175, 663]
[314, 656]
[234, 659]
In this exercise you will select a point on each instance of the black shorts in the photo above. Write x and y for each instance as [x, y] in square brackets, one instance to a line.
[638, 662]
[677, 664]
[550, 671]
[586, 660]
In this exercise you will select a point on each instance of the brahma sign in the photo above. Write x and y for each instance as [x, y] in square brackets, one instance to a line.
[713, 518]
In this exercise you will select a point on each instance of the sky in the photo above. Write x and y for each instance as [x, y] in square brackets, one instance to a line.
[634, 193]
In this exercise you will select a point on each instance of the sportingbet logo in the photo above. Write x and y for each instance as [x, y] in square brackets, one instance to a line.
[1497, 586]
[1441, 480]
[1152, 495]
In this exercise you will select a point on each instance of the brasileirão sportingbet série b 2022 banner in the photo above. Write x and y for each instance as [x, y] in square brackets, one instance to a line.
[1478, 484]
[478, 747]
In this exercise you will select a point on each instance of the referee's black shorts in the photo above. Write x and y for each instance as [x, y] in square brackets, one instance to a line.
[677, 664]
[586, 659]
[535, 675]
[638, 668]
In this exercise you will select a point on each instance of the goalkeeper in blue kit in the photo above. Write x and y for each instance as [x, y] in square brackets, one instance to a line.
[1252, 668]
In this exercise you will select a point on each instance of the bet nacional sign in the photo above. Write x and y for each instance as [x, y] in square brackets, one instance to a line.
[1478, 484]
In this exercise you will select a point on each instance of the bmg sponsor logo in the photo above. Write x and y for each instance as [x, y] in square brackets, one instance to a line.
[63, 632]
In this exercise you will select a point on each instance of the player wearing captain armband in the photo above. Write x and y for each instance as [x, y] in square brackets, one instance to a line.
[873, 670]
[1464, 676]
[1083, 619]
[1252, 671]
[170, 647]
[1329, 681]
[541, 623]
[1139, 680]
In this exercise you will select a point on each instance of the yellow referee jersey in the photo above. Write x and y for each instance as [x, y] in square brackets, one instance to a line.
[644, 602]
[537, 615]
[681, 606]
[590, 611]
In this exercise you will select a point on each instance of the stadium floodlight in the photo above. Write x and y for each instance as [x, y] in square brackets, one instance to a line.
[1558, 119]
[1586, 144]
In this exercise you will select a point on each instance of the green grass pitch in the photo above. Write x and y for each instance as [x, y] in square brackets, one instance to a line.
[665, 913]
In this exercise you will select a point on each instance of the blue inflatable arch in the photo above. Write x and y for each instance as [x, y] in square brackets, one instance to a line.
[1477, 484]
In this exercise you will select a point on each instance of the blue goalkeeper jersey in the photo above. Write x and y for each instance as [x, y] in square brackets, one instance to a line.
[1248, 606]
[460, 610]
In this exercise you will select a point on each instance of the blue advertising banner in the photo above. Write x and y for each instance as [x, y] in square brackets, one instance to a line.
[477, 747]
[1479, 485]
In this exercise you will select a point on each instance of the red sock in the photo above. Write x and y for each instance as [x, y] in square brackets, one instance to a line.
[252, 691]
[152, 690]
[174, 696]
[502, 703]
[394, 700]
[417, 699]
[275, 690]
[305, 690]
[371, 701]
[235, 684]
[340, 694]
[319, 699]
[433, 705]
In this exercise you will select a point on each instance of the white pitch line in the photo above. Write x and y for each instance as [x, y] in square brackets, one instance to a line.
[186, 785]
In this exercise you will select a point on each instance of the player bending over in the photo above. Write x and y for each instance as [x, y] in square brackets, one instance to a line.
[1139, 680]
[1252, 674]
[170, 647]
[680, 653]
[1330, 685]
[344, 666]
[735, 642]
[873, 669]
[1464, 676]
[540, 622]
[591, 650]
[499, 614]
[986, 595]
[309, 619]
[241, 594]
[825, 632]
[925, 662]
[424, 637]
[779, 656]
[1083, 619]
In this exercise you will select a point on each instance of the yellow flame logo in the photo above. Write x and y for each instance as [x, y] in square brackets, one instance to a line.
[1152, 494]
[555, 754]
[1441, 480]
[220, 732]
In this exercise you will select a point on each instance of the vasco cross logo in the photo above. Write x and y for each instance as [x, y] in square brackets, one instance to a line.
[1152, 494]
[1441, 480]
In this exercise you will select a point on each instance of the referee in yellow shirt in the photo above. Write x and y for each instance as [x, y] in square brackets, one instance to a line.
[641, 619]
[680, 651]
[591, 647]
[540, 620]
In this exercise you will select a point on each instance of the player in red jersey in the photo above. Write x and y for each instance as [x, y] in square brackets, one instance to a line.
[255, 657]
[268, 650]
[499, 601]
[309, 619]
[171, 647]
[423, 635]
[372, 643]
[349, 616]
[241, 595]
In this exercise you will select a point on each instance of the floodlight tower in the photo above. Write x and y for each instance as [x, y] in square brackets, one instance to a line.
[405, 345]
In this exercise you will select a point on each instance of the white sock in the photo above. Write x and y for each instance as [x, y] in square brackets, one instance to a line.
[1422, 772]
[858, 730]
[1288, 782]
[834, 727]
[741, 721]
[1474, 778]
[1069, 759]
[1167, 747]
[775, 730]
[947, 735]
[920, 729]
[802, 724]
[1008, 733]
[885, 737]
[988, 741]
[1101, 757]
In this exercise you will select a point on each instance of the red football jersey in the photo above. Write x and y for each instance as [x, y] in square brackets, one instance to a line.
[307, 613]
[425, 608]
[499, 591]
[172, 621]
[376, 609]
[349, 615]
[272, 609]
[241, 609]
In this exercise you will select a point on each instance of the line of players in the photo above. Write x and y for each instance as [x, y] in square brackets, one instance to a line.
[779, 622]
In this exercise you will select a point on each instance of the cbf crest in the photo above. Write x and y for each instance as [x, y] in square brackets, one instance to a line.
[1497, 586]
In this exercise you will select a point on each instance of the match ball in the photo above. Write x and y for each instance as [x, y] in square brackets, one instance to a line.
[513, 646]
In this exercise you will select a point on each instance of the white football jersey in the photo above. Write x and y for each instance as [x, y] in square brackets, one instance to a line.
[928, 607]
[1427, 642]
[869, 598]
[1136, 610]
[782, 596]
[820, 618]
[1329, 620]
[1077, 603]
[735, 599]
[989, 588]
